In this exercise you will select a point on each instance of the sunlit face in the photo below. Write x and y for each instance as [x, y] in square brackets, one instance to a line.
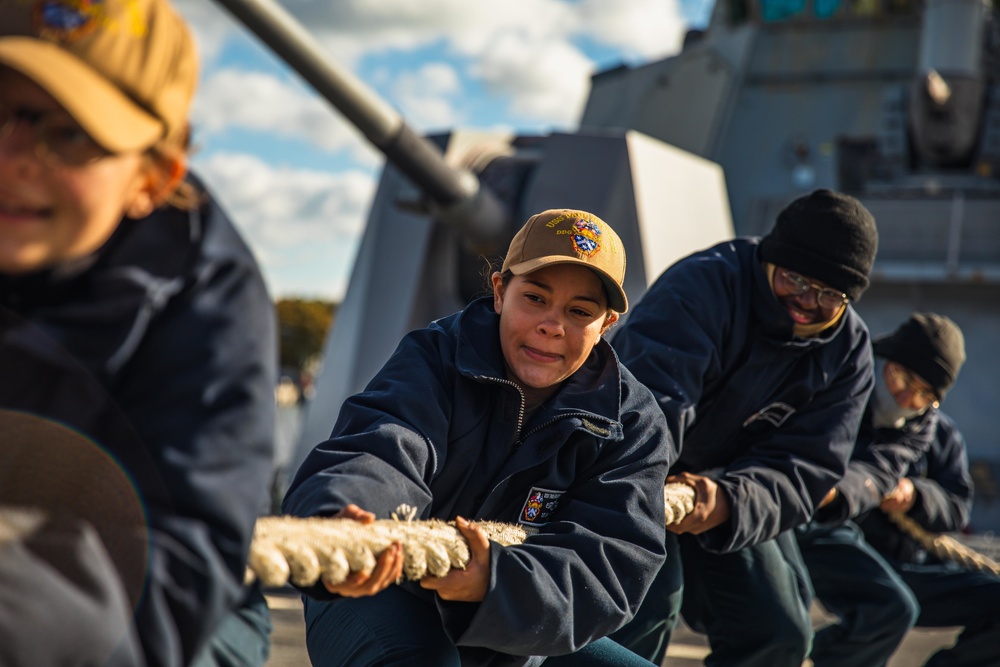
[909, 389]
[550, 320]
[804, 306]
[52, 212]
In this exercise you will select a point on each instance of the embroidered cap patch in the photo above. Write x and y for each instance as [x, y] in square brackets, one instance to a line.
[587, 238]
[61, 20]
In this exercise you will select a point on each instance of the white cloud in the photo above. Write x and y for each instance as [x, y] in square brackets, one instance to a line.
[521, 51]
[649, 29]
[211, 25]
[429, 96]
[299, 222]
[256, 101]
[545, 80]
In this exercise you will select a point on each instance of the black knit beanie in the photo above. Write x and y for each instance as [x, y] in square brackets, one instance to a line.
[825, 235]
[930, 345]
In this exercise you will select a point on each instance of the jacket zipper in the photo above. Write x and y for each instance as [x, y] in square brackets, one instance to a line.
[520, 408]
[520, 419]
[520, 413]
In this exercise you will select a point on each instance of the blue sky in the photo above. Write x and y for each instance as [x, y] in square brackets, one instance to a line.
[298, 180]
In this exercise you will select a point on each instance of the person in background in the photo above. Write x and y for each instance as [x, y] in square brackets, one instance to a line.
[910, 458]
[874, 609]
[513, 410]
[762, 368]
[137, 340]
[937, 493]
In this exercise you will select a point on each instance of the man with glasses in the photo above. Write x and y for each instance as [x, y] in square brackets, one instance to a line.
[763, 369]
[909, 458]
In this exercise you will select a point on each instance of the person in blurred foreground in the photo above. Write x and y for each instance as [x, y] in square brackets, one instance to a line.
[138, 346]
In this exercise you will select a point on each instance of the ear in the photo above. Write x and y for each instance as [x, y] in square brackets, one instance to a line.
[157, 181]
[609, 321]
[497, 292]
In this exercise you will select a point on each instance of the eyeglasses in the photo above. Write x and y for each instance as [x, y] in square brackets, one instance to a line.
[922, 395]
[58, 140]
[826, 298]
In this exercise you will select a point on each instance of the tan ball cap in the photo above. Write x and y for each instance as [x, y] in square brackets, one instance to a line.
[567, 236]
[126, 70]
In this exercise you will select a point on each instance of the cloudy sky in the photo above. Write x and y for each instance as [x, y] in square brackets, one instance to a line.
[298, 180]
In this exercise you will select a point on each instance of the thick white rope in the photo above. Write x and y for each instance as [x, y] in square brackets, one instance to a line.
[678, 502]
[943, 546]
[304, 550]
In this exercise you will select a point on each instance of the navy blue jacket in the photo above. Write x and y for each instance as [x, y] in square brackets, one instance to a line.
[772, 417]
[881, 457]
[944, 491]
[440, 428]
[161, 349]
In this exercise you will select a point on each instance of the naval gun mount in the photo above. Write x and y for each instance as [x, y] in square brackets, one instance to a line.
[449, 203]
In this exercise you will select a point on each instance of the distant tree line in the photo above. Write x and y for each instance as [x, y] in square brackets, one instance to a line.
[302, 328]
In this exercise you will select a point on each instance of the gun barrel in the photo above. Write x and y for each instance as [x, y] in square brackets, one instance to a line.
[456, 194]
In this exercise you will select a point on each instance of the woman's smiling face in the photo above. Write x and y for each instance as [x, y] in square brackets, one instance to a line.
[550, 320]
